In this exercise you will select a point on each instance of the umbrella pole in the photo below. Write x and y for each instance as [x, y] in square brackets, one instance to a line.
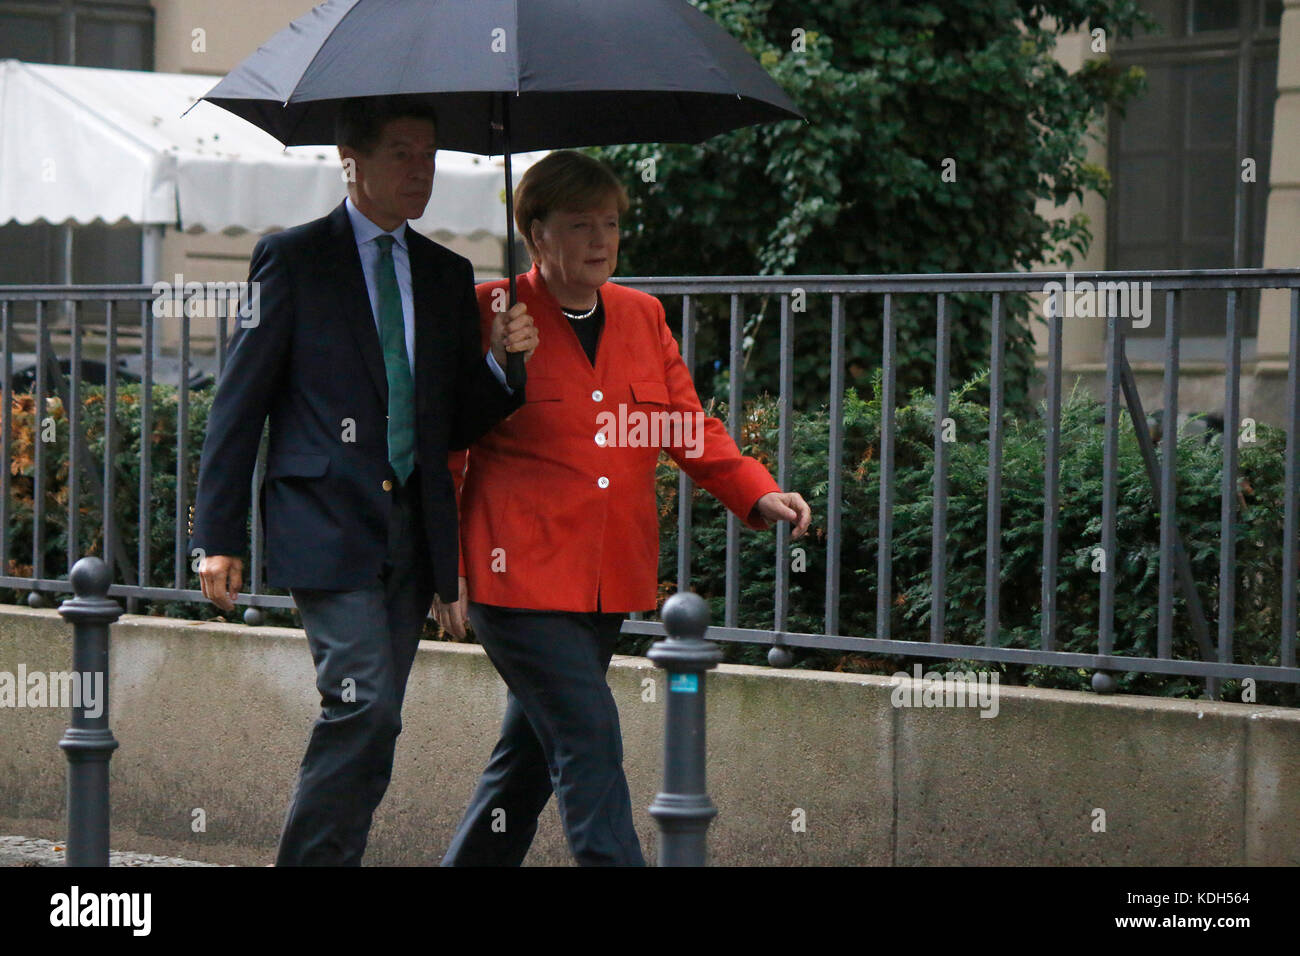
[514, 360]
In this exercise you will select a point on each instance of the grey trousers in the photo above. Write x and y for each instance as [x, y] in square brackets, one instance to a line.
[560, 734]
[363, 643]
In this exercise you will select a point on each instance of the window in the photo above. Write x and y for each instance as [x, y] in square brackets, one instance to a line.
[1179, 200]
[117, 35]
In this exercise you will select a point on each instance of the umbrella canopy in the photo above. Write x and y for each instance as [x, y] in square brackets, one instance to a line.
[509, 75]
[583, 73]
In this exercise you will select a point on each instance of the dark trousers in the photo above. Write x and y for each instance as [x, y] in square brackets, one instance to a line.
[560, 734]
[363, 643]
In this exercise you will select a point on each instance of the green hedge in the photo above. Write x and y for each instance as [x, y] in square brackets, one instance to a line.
[1259, 530]
[1259, 539]
[126, 472]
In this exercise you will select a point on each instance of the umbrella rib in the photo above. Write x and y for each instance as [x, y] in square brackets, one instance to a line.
[684, 18]
[519, 49]
[315, 56]
[302, 115]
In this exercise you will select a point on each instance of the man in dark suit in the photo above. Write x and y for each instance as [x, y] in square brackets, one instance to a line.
[364, 350]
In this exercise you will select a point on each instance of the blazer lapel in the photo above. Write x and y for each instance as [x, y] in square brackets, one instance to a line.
[356, 300]
[431, 284]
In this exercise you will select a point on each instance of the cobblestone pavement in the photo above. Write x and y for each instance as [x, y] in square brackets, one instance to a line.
[30, 851]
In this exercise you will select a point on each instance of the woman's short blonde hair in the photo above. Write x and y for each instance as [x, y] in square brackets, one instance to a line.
[564, 180]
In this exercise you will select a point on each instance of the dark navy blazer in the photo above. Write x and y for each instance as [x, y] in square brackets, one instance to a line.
[313, 364]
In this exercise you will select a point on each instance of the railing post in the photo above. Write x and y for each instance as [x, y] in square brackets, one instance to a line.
[683, 808]
[88, 743]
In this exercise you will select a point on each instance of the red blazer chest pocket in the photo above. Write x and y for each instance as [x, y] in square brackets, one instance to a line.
[649, 393]
[543, 390]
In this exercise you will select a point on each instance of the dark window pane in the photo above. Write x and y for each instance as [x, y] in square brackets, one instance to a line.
[28, 38]
[1207, 254]
[1211, 103]
[1207, 15]
[1168, 14]
[121, 45]
[1208, 200]
[1263, 102]
[1272, 13]
[1146, 124]
[1261, 148]
[1142, 198]
[28, 254]
[103, 254]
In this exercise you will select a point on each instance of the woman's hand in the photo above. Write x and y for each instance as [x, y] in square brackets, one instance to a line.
[452, 617]
[513, 331]
[785, 506]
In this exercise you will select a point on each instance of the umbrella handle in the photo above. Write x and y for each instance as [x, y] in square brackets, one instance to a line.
[515, 376]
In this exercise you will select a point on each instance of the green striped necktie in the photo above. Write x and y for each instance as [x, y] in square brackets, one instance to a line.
[401, 390]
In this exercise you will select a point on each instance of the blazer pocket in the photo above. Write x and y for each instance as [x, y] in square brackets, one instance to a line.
[543, 390]
[295, 465]
[650, 393]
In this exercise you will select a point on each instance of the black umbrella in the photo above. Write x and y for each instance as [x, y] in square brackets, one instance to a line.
[509, 75]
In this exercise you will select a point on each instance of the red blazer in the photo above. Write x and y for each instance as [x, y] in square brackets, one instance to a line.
[557, 503]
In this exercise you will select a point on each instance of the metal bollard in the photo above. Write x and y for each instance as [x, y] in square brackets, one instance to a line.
[683, 808]
[89, 743]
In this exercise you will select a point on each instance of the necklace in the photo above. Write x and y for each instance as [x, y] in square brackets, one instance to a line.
[582, 315]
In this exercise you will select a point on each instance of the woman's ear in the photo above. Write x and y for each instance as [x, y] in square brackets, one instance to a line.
[535, 230]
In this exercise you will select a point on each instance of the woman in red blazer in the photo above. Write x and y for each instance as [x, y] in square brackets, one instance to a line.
[559, 524]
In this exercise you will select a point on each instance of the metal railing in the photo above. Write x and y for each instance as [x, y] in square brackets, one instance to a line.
[81, 303]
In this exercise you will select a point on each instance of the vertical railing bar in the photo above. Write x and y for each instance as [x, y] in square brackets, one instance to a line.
[1052, 476]
[6, 433]
[182, 452]
[1228, 503]
[885, 520]
[834, 467]
[110, 431]
[782, 586]
[146, 446]
[1291, 511]
[73, 412]
[259, 470]
[683, 479]
[38, 455]
[1169, 478]
[1146, 448]
[993, 530]
[221, 338]
[1110, 485]
[735, 423]
[939, 511]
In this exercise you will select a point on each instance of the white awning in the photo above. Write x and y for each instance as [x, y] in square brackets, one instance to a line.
[83, 145]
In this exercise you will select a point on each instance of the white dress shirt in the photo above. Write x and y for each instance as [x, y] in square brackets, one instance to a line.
[366, 232]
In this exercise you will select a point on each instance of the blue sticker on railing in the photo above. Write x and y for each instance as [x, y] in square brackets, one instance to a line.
[685, 683]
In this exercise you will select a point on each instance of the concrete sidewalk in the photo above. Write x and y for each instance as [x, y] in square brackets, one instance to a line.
[32, 851]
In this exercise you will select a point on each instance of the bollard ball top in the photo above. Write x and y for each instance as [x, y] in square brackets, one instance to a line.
[90, 578]
[1103, 682]
[778, 655]
[685, 615]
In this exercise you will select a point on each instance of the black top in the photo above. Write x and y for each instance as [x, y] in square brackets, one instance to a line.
[588, 330]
